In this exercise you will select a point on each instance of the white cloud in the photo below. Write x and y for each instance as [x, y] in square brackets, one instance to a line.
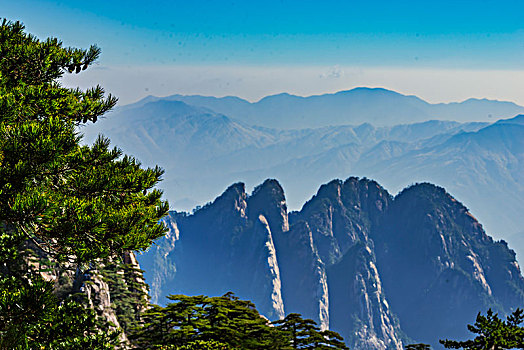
[333, 72]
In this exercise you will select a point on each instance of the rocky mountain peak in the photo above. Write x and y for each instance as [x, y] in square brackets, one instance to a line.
[366, 196]
[342, 213]
[358, 261]
[331, 190]
[268, 199]
[441, 211]
[270, 188]
[429, 234]
[234, 193]
[233, 201]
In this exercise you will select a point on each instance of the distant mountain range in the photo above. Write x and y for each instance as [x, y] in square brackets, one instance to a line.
[383, 271]
[376, 106]
[203, 151]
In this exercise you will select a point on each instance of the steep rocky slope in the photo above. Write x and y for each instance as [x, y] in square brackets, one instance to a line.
[115, 288]
[379, 270]
[435, 254]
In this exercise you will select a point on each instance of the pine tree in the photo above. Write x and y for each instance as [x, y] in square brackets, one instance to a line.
[493, 333]
[128, 292]
[227, 322]
[305, 334]
[74, 204]
[190, 320]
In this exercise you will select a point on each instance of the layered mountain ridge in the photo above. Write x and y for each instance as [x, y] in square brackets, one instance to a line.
[378, 106]
[381, 270]
[204, 147]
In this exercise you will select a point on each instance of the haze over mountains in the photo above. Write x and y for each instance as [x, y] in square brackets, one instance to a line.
[376, 106]
[207, 143]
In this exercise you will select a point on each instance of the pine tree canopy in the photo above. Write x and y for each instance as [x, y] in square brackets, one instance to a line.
[493, 333]
[75, 203]
[227, 322]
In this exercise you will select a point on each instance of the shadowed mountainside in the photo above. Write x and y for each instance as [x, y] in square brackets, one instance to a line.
[373, 267]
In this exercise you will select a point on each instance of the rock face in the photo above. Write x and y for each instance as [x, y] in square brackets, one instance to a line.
[230, 244]
[114, 288]
[360, 310]
[435, 254]
[381, 271]
[98, 297]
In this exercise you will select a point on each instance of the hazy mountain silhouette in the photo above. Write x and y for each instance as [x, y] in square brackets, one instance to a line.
[204, 151]
[377, 106]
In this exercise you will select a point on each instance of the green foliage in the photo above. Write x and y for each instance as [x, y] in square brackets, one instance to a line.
[31, 316]
[74, 203]
[226, 323]
[128, 292]
[305, 334]
[223, 319]
[194, 345]
[72, 326]
[493, 333]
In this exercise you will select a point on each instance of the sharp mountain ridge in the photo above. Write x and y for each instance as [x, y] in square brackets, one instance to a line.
[381, 270]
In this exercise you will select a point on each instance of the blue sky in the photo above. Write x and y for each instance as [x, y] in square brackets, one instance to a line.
[325, 38]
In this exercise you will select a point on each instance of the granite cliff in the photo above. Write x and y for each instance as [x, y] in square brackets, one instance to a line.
[383, 271]
[114, 288]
